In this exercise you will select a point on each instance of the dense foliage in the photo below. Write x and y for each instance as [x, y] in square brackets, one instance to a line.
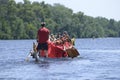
[22, 20]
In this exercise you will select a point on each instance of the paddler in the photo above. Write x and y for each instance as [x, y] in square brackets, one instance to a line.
[42, 39]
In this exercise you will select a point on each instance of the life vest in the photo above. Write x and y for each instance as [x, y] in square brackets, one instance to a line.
[73, 41]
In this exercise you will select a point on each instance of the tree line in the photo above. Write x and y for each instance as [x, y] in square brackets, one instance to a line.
[22, 20]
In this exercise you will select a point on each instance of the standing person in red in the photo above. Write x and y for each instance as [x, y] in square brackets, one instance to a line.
[42, 39]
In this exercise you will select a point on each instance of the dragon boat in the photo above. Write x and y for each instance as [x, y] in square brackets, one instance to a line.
[54, 52]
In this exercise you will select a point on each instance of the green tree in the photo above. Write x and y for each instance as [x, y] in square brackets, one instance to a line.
[22, 20]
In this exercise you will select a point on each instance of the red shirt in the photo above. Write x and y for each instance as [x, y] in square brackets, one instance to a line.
[43, 35]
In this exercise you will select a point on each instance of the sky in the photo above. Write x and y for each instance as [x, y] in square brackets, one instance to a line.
[109, 9]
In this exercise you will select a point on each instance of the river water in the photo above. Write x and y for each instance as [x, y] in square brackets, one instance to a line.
[99, 60]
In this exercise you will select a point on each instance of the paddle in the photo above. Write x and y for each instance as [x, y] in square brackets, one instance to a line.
[33, 53]
[27, 58]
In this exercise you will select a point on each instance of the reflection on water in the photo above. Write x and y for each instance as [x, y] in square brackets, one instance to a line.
[99, 60]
